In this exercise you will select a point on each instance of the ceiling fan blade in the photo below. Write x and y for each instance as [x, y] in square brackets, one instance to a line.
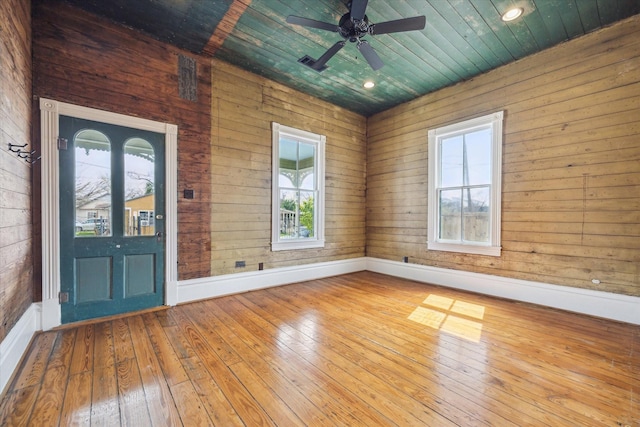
[306, 22]
[370, 55]
[358, 7]
[319, 64]
[399, 25]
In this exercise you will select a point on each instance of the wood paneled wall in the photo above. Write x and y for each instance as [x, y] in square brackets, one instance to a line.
[571, 165]
[16, 254]
[243, 107]
[88, 61]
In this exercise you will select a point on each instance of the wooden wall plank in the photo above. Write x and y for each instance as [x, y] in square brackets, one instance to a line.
[571, 165]
[16, 229]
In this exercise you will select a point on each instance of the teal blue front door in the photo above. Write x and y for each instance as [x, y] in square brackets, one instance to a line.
[112, 241]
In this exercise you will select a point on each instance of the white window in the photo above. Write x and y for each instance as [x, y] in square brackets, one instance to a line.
[465, 168]
[298, 189]
[146, 218]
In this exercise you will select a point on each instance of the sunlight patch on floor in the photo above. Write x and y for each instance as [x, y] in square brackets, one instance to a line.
[428, 317]
[439, 316]
[463, 328]
[468, 309]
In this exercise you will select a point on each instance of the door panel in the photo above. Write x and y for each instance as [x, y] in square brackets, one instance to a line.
[111, 219]
[93, 279]
[139, 274]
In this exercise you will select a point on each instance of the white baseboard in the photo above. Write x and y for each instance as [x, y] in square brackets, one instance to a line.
[607, 305]
[215, 286]
[16, 343]
[51, 313]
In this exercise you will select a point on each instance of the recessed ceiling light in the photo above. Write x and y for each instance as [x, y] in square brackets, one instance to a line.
[368, 84]
[512, 14]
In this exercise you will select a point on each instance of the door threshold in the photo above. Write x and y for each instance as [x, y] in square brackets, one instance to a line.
[109, 318]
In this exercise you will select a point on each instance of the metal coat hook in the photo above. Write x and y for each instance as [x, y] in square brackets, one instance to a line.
[28, 156]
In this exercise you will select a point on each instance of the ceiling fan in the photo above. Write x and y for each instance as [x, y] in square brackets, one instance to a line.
[352, 26]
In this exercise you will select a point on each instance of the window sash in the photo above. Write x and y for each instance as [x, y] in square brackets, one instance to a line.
[458, 234]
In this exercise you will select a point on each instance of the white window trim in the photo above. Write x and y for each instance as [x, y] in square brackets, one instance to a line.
[492, 248]
[319, 141]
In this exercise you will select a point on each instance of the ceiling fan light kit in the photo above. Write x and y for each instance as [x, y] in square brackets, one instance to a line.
[353, 26]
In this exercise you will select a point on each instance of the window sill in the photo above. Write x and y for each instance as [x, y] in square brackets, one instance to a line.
[296, 244]
[467, 249]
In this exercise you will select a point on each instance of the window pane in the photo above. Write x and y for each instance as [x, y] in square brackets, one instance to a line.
[476, 214]
[285, 181]
[288, 162]
[478, 156]
[451, 162]
[308, 180]
[307, 217]
[307, 154]
[450, 215]
[139, 181]
[288, 214]
[93, 184]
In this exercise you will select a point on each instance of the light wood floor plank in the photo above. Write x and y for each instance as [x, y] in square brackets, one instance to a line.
[76, 408]
[123, 346]
[168, 359]
[361, 349]
[17, 407]
[105, 406]
[82, 360]
[50, 401]
[131, 396]
[162, 408]
[103, 352]
[189, 405]
[36, 361]
[218, 406]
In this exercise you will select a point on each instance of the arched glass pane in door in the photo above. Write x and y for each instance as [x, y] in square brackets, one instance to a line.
[92, 184]
[139, 179]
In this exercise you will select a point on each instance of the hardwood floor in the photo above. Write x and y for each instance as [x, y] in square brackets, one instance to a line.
[360, 349]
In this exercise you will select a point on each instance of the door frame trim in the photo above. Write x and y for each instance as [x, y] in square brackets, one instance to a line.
[50, 110]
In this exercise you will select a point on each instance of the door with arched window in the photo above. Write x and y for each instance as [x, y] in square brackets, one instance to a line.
[112, 239]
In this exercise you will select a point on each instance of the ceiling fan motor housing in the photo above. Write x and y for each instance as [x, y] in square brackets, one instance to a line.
[351, 29]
